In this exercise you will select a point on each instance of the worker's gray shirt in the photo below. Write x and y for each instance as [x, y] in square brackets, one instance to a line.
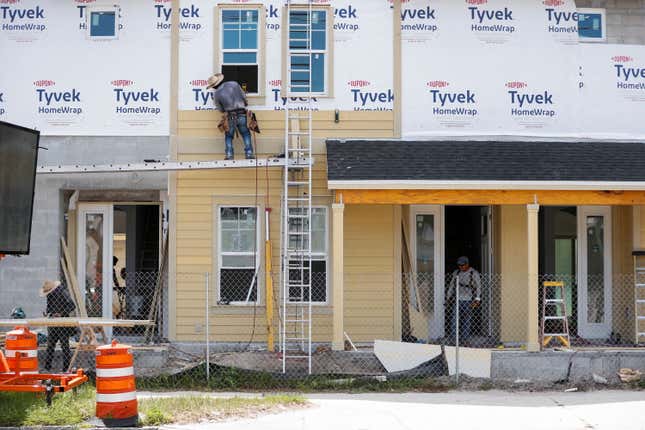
[469, 283]
[229, 96]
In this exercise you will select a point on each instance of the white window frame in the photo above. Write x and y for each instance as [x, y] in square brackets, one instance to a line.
[317, 256]
[586, 329]
[258, 254]
[328, 52]
[115, 8]
[436, 324]
[603, 13]
[219, 41]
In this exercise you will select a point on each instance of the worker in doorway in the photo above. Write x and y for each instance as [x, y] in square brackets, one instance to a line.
[59, 305]
[231, 100]
[467, 283]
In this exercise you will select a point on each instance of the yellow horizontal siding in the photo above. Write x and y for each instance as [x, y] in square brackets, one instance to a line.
[369, 230]
[369, 267]
[350, 124]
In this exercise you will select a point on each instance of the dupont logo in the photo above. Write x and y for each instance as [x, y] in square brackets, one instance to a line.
[476, 2]
[452, 103]
[529, 104]
[621, 59]
[162, 1]
[121, 83]
[44, 83]
[553, 3]
[358, 83]
[437, 84]
[202, 98]
[275, 82]
[84, 1]
[628, 76]
[53, 101]
[9, 1]
[130, 101]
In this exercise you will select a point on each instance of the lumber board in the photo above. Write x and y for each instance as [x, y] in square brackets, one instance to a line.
[490, 197]
[72, 322]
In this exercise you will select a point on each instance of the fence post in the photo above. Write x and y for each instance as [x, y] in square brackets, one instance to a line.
[457, 328]
[208, 345]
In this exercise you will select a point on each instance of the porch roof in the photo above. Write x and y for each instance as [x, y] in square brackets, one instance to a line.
[402, 164]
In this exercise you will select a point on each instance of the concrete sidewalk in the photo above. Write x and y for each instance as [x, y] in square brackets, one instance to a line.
[497, 410]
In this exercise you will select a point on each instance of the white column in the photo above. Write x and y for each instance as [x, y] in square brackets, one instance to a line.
[338, 342]
[532, 339]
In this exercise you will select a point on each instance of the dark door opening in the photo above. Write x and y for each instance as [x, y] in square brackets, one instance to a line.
[136, 252]
[467, 233]
[557, 261]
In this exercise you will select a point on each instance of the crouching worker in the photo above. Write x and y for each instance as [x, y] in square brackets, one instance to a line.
[59, 305]
[231, 100]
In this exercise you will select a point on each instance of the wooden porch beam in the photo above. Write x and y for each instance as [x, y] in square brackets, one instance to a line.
[491, 197]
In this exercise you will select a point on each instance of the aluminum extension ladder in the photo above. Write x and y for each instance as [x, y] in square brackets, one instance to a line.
[296, 279]
[558, 306]
[639, 296]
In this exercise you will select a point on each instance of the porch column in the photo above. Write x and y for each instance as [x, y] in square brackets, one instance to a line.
[338, 341]
[532, 331]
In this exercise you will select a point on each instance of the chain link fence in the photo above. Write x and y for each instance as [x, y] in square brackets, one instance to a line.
[410, 327]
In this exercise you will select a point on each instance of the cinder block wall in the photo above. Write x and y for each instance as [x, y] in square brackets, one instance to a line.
[625, 19]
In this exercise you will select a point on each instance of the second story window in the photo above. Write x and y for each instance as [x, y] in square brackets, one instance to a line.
[308, 70]
[239, 47]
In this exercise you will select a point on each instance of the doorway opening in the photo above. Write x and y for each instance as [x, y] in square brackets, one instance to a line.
[468, 233]
[118, 258]
[558, 237]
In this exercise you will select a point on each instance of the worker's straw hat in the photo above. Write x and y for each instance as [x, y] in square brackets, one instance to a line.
[48, 287]
[215, 80]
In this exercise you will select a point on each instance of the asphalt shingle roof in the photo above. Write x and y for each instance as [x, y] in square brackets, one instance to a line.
[485, 161]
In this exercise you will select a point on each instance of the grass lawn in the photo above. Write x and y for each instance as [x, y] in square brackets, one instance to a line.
[28, 409]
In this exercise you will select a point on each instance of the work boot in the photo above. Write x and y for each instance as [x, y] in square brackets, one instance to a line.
[250, 157]
[228, 157]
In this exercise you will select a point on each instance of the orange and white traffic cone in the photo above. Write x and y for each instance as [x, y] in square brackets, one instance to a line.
[116, 397]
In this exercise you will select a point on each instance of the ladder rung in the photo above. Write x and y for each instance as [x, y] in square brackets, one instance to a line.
[297, 183]
[554, 318]
[640, 317]
[297, 199]
[641, 334]
[640, 301]
[640, 285]
[295, 356]
[298, 233]
[295, 338]
[300, 117]
[555, 334]
[296, 321]
[299, 133]
[556, 301]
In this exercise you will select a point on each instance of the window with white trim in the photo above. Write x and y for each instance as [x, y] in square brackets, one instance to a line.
[238, 253]
[308, 71]
[103, 22]
[319, 254]
[240, 47]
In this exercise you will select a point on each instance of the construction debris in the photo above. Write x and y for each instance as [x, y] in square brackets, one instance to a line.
[629, 375]
[599, 379]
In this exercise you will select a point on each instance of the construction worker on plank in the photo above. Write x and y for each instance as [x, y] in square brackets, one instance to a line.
[231, 100]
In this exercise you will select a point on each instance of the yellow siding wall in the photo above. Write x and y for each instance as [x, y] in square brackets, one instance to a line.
[622, 266]
[369, 272]
[199, 192]
[514, 266]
